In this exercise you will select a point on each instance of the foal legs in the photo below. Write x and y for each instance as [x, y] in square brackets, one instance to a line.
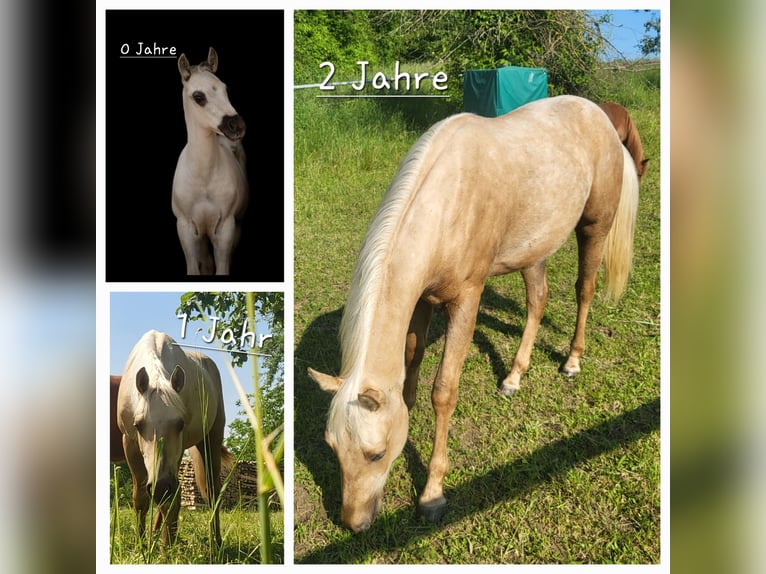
[415, 348]
[223, 239]
[590, 246]
[195, 247]
[536, 282]
[461, 315]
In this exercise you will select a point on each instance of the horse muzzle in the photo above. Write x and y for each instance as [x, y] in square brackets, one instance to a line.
[163, 490]
[359, 520]
[233, 127]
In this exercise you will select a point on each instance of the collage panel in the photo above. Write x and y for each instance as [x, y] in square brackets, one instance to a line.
[194, 154]
[196, 384]
[411, 218]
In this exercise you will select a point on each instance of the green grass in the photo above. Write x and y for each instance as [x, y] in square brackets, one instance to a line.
[566, 470]
[239, 532]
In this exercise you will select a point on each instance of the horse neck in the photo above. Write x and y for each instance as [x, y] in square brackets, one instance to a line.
[202, 146]
[374, 342]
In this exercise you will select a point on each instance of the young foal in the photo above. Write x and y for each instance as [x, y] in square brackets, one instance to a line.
[474, 197]
[210, 190]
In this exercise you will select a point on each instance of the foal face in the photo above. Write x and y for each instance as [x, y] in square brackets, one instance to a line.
[159, 430]
[206, 103]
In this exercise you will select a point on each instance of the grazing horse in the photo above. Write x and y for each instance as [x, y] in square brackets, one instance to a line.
[474, 197]
[210, 192]
[628, 133]
[116, 452]
[170, 400]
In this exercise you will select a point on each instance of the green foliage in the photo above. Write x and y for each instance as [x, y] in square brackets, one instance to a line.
[650, 42]
[340, 36]
[565, 42]
[241, 438]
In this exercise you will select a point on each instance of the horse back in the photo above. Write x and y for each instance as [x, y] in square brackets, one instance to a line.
[496, 195]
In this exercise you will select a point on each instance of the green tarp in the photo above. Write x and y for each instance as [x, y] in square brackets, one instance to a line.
[492, 93]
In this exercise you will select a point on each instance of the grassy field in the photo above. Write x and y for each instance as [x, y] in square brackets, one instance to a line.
[566, 470]
[239, 533]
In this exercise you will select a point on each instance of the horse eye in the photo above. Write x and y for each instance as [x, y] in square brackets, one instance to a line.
[180, 425]
[199, 98]
[377, 457]
[139, 425]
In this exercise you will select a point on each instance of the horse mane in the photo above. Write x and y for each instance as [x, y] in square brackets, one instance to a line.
[367, 277]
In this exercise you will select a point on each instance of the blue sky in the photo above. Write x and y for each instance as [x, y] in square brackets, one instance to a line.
[133, 314]
[626, 29]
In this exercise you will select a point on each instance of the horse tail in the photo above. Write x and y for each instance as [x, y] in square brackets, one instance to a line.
[618, 249]
[227, 460]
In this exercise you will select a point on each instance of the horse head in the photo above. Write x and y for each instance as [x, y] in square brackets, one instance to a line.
[367, 430]
[159, 425]
[206, 100]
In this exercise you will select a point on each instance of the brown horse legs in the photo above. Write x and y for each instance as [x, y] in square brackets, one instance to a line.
[590, 244]
[414, 349]
[536, 282]
[461, 315]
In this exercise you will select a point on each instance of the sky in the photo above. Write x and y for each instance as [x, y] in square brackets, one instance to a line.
[134, 313]
[626, 29]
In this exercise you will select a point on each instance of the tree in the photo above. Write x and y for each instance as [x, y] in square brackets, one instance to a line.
[650, 43]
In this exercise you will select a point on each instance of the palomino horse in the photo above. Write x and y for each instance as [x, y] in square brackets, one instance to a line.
[628, 133]
[210, 192]
[170, 400]
[474, 197]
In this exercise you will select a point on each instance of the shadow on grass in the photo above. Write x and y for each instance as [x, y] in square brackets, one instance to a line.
[318, 348]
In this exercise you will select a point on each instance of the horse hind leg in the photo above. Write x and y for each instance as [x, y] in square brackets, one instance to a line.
[590, 243]
[536, 283]
[461, 315]
[415, 349]
[206, 459]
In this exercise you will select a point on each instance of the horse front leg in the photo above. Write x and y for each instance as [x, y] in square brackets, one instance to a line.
[195, 248]
[461, 314]
[536, 282]
[590, 243]
[166, 520]
[140, 478]
[223, 240]
[415, 349]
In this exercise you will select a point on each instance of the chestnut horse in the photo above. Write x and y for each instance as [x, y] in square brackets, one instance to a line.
[116, 452]
[170, 400]
[628, 133]
[474, 197]
[210, 192]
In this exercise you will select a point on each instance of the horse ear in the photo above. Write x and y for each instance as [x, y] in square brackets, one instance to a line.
[183, 67]
[142, 380]
[371, 399]
[212, 59]
[326, 382]
[177, 379]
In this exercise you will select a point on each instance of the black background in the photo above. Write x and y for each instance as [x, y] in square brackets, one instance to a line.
[145, 133]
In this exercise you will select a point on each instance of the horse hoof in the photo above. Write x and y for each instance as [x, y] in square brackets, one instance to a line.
[569, 371]
[434, 509]
[507, 390]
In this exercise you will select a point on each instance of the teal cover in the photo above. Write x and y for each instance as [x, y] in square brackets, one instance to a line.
[492, 93]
